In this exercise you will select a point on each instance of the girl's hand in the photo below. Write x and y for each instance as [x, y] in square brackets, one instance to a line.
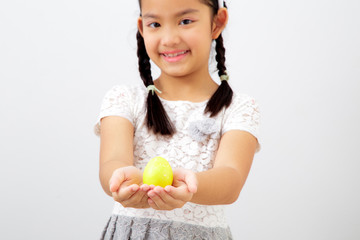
[124, 185]
[184, 186]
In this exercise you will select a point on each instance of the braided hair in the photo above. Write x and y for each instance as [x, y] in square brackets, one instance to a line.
[157, 119]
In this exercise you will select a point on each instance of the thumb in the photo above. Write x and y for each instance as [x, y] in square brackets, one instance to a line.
[191, 182]
[116, 179]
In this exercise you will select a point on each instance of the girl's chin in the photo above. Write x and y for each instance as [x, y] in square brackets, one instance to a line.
[175, 71]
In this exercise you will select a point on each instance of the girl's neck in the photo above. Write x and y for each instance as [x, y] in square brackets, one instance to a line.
[193, 87]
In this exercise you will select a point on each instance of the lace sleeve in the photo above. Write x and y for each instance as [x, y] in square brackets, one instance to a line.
[117, 102]
[243, 114]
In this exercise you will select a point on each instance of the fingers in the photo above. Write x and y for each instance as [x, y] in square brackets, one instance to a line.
[184, 186]
[124, 185]
[157, 199]
[160, 199]
[126, 175]
[137, 200]
[181, 193]
[132, 196]
[125, 193]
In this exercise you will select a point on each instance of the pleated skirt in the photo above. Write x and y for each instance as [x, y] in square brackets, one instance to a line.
[135, 228]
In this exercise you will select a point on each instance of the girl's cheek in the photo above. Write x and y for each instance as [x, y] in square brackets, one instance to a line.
[149, 42]
[197, 37]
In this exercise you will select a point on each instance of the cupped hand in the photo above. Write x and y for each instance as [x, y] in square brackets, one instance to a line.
[125, 187]
[182, 190]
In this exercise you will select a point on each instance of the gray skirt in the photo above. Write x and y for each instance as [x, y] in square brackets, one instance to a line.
[134, 228]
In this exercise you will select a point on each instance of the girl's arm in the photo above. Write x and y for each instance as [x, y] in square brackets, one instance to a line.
[222, 184]
[116, 148]
[118, 177]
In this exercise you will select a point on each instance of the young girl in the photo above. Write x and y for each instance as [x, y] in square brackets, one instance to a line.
[207, 133]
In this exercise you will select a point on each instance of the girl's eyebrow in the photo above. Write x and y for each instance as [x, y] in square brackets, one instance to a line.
[179, 14]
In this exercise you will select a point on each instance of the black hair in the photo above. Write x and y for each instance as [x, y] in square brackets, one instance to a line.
[157, 119]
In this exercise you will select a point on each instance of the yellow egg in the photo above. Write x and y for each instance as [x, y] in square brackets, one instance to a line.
[158, 172]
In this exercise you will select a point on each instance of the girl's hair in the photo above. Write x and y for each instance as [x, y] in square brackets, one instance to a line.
[157, 118]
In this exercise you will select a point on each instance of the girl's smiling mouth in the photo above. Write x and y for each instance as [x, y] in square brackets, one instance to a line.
[174, 56]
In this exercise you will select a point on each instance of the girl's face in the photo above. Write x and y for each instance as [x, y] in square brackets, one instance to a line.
[178, 34]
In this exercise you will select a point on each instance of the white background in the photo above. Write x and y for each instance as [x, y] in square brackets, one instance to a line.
[299, 59]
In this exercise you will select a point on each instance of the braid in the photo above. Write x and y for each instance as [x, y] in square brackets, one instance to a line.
[220, 55]
[156, 116]
[223, 95]
[144, 61]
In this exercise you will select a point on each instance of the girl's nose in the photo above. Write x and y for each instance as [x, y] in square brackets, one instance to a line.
[170, 37]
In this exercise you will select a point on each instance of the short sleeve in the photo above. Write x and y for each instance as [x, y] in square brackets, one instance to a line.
[117, 102]
[243, 114]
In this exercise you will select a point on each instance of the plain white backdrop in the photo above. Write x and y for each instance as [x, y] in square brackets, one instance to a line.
[299, 59]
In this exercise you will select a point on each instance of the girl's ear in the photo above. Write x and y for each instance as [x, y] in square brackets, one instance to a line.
[140, 25]
[219, 22]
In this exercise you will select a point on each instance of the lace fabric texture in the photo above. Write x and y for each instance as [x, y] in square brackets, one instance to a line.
[124, 228]
[193, 146]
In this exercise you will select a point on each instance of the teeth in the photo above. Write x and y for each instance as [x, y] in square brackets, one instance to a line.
[174, 54]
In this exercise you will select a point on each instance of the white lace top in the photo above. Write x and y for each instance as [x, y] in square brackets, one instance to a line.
[193, 146]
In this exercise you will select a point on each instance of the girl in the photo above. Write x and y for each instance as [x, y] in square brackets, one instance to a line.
[207, 133]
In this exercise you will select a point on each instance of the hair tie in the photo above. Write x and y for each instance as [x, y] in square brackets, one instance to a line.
[224, 77]
[152, 88]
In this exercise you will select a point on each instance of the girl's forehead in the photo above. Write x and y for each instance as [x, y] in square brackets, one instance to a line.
[171, 7]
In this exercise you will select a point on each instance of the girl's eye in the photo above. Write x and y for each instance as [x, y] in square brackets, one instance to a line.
[154, 25]
[185, 22]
